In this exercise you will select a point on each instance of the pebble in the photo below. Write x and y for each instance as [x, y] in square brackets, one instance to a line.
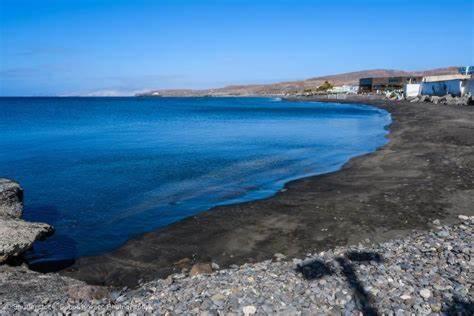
[279, 256]
[425, 293]
[443, 233]
[249, 310]
[405, 297]
[420, 274]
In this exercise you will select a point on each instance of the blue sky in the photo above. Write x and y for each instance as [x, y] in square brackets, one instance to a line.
[68, 47]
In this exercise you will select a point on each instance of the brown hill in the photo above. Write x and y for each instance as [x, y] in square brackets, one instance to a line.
[349, 78]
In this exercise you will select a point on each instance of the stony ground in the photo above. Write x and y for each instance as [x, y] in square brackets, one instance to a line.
[424, 273]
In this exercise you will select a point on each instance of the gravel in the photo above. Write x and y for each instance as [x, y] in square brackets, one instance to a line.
[423, 273]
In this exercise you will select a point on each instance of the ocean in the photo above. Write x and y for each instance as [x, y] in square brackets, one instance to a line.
[104, 170]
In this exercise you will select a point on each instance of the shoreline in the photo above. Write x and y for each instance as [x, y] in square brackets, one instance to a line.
[300, 161]
[370, 197]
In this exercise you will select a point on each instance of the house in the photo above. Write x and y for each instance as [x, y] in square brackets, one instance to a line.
[381, 84]
[456, 85]
[346, 89]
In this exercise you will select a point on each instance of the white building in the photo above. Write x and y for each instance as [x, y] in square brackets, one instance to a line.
[348, 89]
[456, 85]
[412, 89]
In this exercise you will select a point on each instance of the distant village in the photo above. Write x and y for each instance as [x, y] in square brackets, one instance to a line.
[451, 85]
[450, 89]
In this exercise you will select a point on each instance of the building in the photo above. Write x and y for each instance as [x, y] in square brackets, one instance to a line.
[412, 90]
[456, 85]
[381, 84]
[345, 89]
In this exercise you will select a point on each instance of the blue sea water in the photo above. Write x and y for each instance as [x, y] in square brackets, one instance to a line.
[103, 170]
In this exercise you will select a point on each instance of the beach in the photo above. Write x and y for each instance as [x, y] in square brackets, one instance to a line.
[424, 173]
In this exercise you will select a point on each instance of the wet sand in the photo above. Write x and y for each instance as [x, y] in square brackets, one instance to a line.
[425, 172]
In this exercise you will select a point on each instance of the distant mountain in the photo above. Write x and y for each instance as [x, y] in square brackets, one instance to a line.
[349, 78]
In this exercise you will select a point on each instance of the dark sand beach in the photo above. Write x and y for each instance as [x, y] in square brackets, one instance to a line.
[425, 172]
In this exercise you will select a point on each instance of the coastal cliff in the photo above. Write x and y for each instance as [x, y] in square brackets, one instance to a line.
[19, 285]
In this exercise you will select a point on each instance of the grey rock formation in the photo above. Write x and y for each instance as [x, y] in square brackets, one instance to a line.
[16, 235]
[465, 100]
[424, 98]
[11, 198]
[435, 99]
[450, 100]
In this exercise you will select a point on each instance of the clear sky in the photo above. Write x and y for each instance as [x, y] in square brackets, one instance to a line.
[65, 47]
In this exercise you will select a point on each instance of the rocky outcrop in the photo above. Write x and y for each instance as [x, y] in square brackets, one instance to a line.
[16, 235]
[11, 199]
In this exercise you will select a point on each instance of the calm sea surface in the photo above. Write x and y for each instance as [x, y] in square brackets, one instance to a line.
[103, 170]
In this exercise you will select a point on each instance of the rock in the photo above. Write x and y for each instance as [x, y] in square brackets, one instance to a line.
[470, 100]
[215, 266]
[425, 293]
[425, 98]
[169, 280]
[436, 222]
[218, 299]
[450, 100]
[183, 263]
[405, 297]
[436, 308]
[279, 256]
[11, 199]
[463, 217]
[87, 292]
[200, 268]
[17, 236]
[464, 100]
[434, 99]
[443, 233]
[414, 100]
[249, 310]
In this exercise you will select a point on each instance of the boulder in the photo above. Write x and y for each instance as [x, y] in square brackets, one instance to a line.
[425, 98]
[414, 100]
[434, 99]
[201, 268]
[11, 199]
[184, 263]
[17, 236]
[450, 100]
[464, 100]
[87, 292]
[279, 257]
[442, 100]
